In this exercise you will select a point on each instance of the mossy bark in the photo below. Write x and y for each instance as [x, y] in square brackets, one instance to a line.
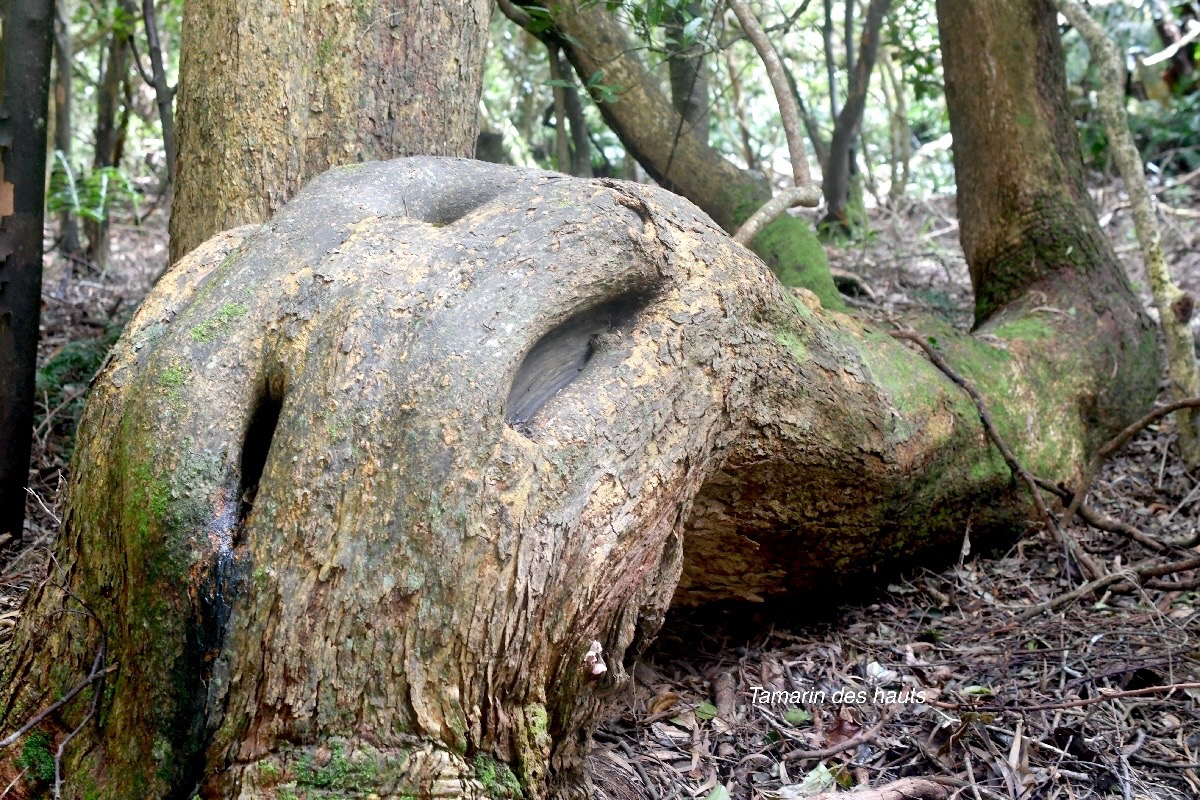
[274, 93]
[327, 554]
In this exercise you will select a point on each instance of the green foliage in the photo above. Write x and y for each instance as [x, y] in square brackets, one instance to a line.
[36, 757]
[911, 32]
[88, 195]
[62, 382]
[1170, 136]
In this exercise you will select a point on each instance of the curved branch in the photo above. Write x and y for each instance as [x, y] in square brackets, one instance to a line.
[783, 92]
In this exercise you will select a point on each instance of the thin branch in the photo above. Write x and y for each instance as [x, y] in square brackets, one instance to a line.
[866, 736]
[903, 789]
[1076, 593]
[1116, 443]
[808, 195]
[517, 15]
[1103, 697]
[92, 677]
[783, 93]
[1167, 53]
[1011, 460]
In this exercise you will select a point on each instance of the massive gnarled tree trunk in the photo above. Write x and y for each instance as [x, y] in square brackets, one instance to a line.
[361, 486]
[274, 93]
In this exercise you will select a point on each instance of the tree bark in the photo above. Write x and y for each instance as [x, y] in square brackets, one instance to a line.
[24, 96]
[676, 158]
[1016, 141]
[345, 83]
[361, 488]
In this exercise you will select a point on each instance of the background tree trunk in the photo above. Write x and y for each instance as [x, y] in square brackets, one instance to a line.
[685, 66]
[63, 118]
[676, 157]
[24, 95]
[1024, 211]
[163, 94]
[112, 116]
[840, 166]
[348, 83]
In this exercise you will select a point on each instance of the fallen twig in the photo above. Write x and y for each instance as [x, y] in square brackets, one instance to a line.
[1105, 695]
[903, 789]
[1088, 565]
[865, 737]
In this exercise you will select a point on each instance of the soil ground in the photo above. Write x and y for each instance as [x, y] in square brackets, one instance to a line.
[1063, 705]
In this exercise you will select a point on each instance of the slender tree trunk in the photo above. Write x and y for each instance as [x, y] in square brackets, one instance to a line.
[581, 145]
[24, 94]
[685, 65]
[836, 183]
[901, 133]
[63, 121]
[163, 94]
[749, 155]
[349, 84]
[830, 62]
[562, 140]
[110, 123]
[819, 145]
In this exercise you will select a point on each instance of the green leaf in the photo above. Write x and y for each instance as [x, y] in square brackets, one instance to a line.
[718, 793]
[706, 711]
[797, 716]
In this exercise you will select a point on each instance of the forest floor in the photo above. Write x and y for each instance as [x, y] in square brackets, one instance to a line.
[1063, 705]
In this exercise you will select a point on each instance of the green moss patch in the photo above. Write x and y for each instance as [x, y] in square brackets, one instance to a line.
[790, 247]
[499, 781]
[219, 324]
[36, 758]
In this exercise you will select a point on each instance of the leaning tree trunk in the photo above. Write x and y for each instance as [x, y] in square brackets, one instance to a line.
[271, 96]
[676, 155]
[363, 489]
